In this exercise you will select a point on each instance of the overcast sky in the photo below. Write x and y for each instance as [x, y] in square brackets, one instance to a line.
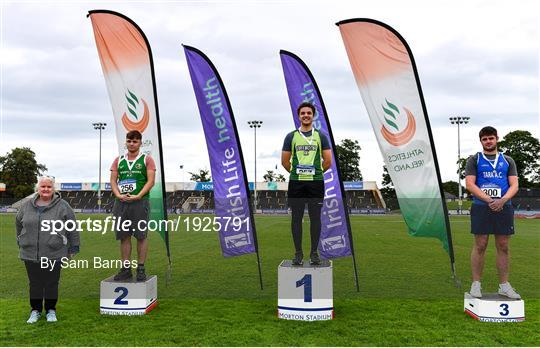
[475, 58]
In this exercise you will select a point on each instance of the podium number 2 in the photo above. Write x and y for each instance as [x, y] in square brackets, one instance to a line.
[505, 310]
[120, 299]
[306, 282]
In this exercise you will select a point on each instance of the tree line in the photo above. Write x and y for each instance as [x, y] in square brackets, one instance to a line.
[19, 169]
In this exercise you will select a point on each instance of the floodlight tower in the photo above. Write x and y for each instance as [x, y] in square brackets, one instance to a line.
[458, 120]
[255, 124]
[99, 126]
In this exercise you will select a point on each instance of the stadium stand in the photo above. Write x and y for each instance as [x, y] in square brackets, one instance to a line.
[361, 197]
[527, 199]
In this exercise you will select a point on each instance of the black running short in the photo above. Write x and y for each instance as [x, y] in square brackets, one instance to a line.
[305, 190]
[135, 211]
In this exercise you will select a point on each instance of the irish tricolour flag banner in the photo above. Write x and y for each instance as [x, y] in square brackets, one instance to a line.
[127, 65]
[386, 75]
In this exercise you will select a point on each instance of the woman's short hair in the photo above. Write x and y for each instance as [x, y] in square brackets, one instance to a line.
[46, 177]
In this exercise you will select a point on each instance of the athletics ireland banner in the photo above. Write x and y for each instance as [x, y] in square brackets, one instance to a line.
[336, 239]
[231, 192]
[126, 60]
[387, 78]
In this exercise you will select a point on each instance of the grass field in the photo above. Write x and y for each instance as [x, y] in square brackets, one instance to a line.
[407, 296]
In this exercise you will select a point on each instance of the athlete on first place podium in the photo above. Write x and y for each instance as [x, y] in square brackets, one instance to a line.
[491, 177]
[306, 155]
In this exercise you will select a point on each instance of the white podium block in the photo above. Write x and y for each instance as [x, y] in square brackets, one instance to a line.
[305, 292]
[128, 297]
[494, 308]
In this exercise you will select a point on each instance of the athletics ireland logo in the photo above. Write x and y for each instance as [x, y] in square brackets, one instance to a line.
[134, 112]
[391, 131]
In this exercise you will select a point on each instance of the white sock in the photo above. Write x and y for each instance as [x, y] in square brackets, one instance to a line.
[505, 286]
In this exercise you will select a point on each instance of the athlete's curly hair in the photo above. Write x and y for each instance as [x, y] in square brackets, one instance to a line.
[304, 105]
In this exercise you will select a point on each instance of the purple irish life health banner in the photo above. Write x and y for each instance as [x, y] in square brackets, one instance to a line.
[336, 239]
[231, 194]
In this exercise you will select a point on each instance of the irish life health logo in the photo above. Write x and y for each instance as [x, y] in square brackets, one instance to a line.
[132, 119]
[391, 131]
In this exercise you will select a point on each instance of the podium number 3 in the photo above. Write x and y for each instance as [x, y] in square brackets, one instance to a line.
[505, 310]
[120, 299]
[306, 282]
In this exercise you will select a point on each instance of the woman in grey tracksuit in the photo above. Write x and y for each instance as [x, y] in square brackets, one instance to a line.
[37, 241]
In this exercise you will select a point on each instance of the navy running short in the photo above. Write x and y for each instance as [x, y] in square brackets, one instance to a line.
[486, 221]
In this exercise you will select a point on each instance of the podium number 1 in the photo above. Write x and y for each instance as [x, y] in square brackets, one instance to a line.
[306, 282]
[120, 299]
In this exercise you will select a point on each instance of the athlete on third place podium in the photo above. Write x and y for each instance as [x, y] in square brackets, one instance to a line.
[491, 177]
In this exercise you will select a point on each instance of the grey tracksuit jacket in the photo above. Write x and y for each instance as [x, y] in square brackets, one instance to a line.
[34, 241]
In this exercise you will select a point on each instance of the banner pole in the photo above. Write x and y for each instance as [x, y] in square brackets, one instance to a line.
[257, 253]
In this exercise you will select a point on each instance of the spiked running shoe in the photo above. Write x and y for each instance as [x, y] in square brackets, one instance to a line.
[298, 259]
[123, 274]
[141, 275]
[315, 260]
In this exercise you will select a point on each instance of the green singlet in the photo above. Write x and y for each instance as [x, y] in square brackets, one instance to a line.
[306, 162]
[132, 177]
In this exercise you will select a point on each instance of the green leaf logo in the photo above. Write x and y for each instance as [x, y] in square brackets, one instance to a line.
[133, 103]
[389, 111]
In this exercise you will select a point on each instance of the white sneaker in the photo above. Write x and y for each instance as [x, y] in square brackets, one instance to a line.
[476, 289]
[51, 316]
[34, 317]
[507, 290]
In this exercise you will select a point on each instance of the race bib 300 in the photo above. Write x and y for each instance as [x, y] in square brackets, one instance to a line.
[493, 191]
